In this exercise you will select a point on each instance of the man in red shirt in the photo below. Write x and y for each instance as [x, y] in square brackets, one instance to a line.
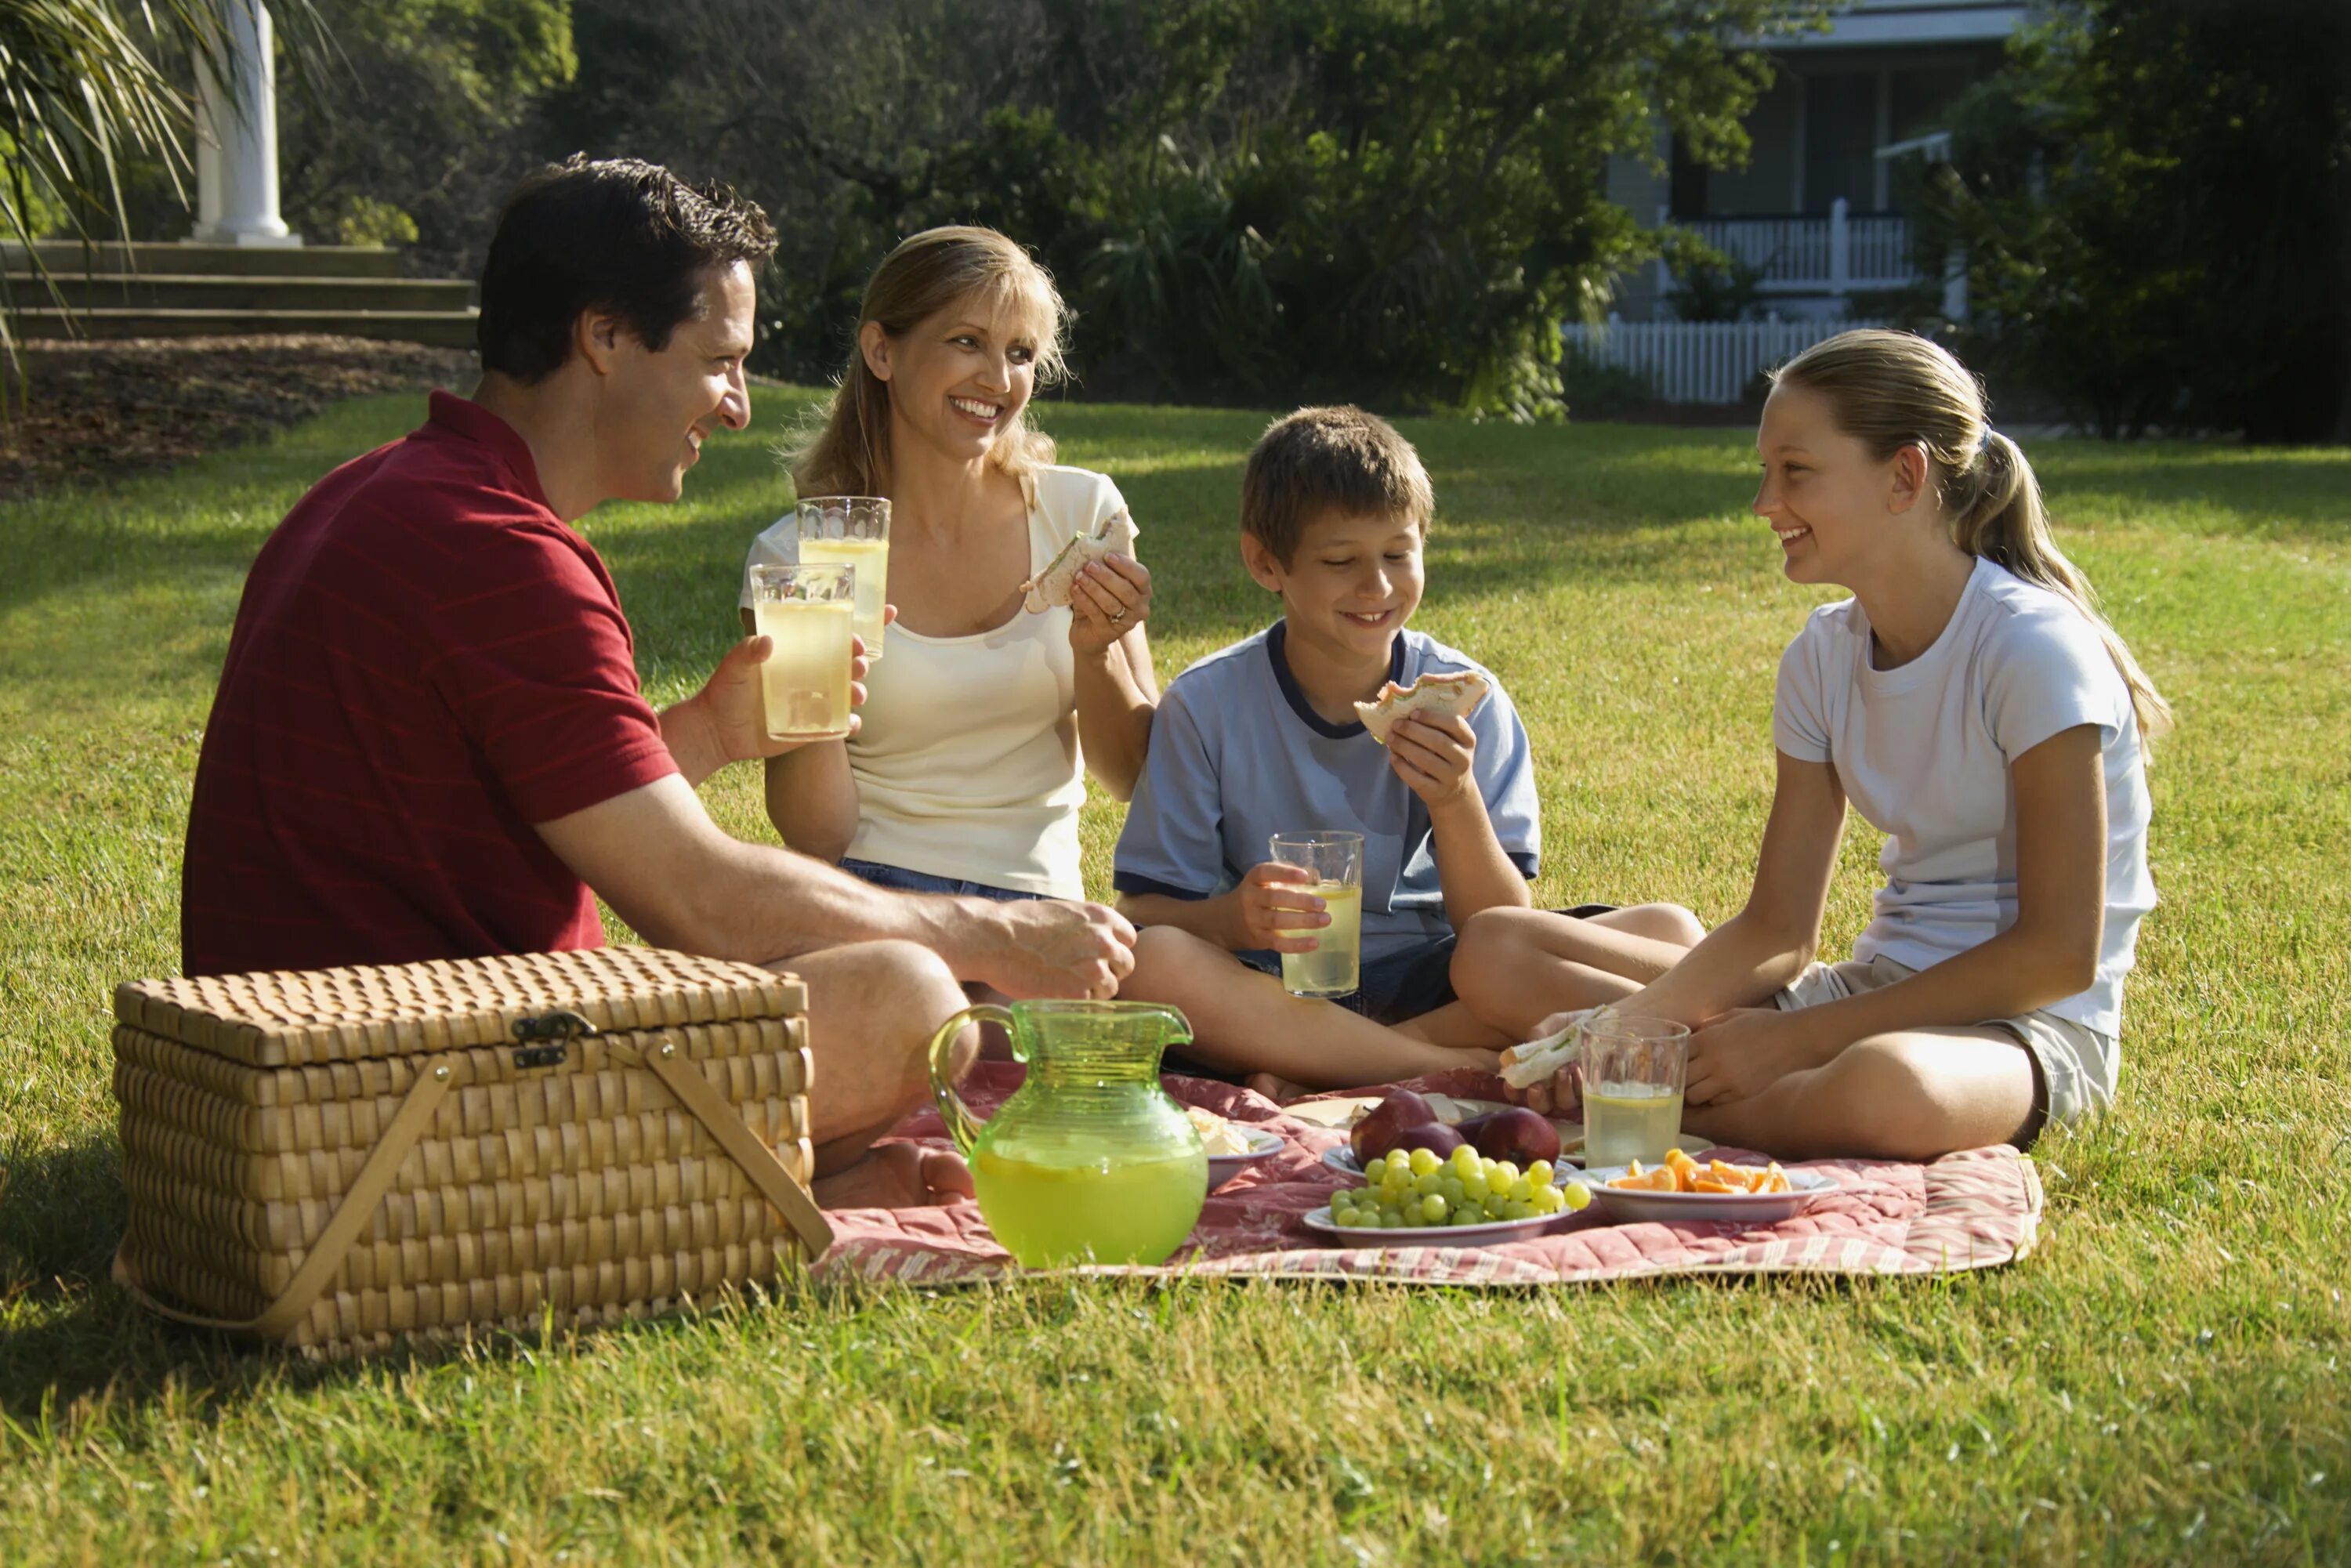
[429, 740]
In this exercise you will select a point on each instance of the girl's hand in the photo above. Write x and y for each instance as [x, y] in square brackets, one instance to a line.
[1272, 902]
[1110, 597]
[1747, 1051]
[1433, 753]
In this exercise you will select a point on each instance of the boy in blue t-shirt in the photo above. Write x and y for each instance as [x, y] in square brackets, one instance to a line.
[1262, 738]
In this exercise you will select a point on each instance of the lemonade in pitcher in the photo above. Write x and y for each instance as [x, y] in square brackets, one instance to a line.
[1076, 1200]
[1335, 966]
[1090, 1161]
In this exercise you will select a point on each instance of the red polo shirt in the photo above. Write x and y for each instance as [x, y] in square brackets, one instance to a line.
[427, 661]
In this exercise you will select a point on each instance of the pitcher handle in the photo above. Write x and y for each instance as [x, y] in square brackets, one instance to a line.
[962, 1125]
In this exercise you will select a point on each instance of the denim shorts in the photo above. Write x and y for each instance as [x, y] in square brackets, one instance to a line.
[900, 879]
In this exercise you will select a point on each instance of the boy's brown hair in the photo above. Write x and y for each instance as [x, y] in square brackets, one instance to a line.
[1324, 460]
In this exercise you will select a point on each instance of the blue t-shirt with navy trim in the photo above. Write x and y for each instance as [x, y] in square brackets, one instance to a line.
[1237, 755]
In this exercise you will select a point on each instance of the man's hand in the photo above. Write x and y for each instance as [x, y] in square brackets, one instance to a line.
[1111, 598]
[1432, 753]
[1749, 1049]
[1560, 1094]
[1273, 900]
[1045, 947]
[726, 720]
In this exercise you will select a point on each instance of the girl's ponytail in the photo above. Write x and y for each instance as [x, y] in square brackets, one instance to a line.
[2005, 523]
[1893, 390]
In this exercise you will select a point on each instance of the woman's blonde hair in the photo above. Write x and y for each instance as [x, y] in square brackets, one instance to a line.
[848, 452]
[1893, 390]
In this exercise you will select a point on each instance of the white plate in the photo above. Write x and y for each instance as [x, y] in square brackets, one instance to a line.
[1711, 1208]
[1343, 1159]
[1435, 1235]
[1222, 1168]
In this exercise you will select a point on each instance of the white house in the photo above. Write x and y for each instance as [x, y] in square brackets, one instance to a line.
[1813, 206]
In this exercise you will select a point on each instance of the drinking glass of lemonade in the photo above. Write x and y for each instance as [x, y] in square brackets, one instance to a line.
[809, 611]
[1336, 859]
[851, 530]
[1633, 1072]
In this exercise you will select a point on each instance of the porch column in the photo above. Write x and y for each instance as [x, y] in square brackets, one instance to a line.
[1840, 250]
[236, 136]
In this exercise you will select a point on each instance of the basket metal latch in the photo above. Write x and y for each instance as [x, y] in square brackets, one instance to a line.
[557, 1029]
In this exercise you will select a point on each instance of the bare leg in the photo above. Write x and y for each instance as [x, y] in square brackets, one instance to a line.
[1915, 1096]
[873, 1009]
[1243, 1022]
[1514, 967]
[1455, 1025]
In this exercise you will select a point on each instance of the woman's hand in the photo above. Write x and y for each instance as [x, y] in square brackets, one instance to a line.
[1746, 1051]
[1110, 597]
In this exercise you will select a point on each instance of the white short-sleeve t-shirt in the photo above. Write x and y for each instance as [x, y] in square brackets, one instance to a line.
[1923, 753]
[966, 762]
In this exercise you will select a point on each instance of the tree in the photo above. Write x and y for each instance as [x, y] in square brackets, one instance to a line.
[1247, 200]
[426, 117]
[2155, 198]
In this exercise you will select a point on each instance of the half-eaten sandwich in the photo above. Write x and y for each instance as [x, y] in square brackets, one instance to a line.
[1432, 696]
[1049, 589]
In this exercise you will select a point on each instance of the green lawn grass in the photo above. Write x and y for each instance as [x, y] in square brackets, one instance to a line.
[2162, 1381]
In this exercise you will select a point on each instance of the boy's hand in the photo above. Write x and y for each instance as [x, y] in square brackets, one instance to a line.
[1272, 901]
[1432, 753]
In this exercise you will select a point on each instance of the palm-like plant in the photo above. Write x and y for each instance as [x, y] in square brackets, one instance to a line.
[82, 95]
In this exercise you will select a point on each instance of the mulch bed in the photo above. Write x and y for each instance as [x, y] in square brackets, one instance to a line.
[100, 411]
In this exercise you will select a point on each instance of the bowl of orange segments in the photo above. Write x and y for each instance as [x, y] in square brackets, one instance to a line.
[1709, 1190]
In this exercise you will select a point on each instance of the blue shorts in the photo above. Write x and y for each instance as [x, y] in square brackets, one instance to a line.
[1392, 989]
[900, 879]
[1402, 985]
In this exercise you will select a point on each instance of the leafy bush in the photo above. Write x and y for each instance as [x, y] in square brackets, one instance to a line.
[2155, 198]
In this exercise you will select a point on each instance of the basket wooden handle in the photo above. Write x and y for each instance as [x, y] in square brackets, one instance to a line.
[757, 1160]
[325, 1259]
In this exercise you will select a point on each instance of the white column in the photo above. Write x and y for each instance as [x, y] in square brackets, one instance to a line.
[236, 134]
[1840, 249]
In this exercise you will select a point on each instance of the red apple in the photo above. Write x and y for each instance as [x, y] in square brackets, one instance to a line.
[1434, 1136]
[1375, 1135]
[1518, 1135]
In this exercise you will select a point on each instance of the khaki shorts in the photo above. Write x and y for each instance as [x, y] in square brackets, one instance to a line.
[2074, 1068]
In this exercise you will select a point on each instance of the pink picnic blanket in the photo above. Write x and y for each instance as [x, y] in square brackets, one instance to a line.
[1975, 1209]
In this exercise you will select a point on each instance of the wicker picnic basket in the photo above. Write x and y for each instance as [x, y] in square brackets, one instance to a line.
[331, 1159]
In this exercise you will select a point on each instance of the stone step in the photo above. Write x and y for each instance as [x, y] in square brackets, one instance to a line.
[199, 291]
[444, 329]
[181, 259]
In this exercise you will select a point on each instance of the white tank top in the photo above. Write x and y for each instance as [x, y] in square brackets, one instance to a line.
[966, 762]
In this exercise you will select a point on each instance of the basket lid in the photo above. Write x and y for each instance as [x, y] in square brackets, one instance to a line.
[295, 1018]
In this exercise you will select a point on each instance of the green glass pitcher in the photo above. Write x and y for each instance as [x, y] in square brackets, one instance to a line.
[1090, 1161]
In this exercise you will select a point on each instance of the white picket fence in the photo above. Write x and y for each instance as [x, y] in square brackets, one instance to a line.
[1701, 361]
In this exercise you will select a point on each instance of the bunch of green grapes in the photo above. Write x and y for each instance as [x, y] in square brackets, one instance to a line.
[1420, 1188]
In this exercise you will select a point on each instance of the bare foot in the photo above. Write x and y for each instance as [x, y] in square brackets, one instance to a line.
[897, 1175]
[1278, 1089]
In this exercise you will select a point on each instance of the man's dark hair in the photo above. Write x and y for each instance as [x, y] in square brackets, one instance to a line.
[1320, 461]
[609, 234]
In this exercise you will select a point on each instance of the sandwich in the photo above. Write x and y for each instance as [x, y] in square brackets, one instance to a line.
[1437, 695]
[1049, 589]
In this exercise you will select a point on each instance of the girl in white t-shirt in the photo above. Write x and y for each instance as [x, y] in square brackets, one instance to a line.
[966, 770]
[1971, 703]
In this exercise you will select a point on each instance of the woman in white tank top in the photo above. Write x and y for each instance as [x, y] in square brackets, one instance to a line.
[968, 767]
